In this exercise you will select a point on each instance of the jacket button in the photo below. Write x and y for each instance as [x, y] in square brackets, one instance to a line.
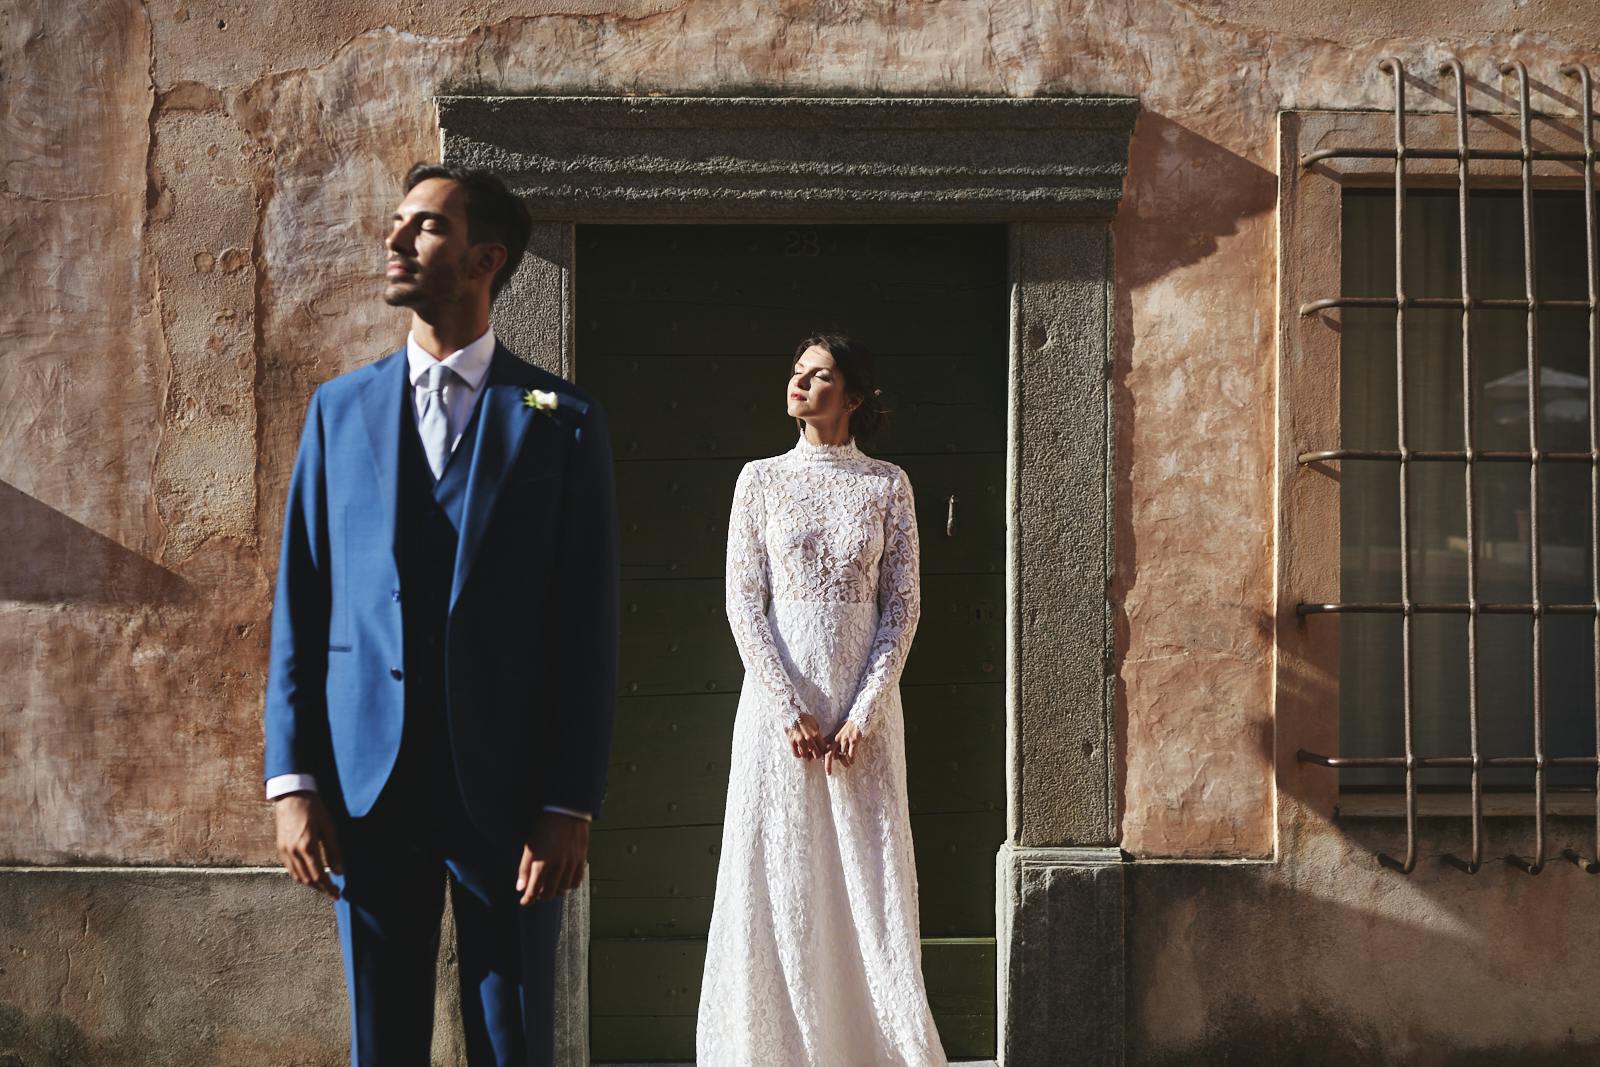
[396, 595]
[396, 673]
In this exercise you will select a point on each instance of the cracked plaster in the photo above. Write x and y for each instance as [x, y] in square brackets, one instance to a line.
[190, 206]
[193, 212]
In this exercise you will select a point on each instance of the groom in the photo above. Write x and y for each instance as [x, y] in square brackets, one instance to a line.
[444, 638]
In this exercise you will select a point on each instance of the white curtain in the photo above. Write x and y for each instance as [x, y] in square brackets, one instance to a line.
[1370, 650]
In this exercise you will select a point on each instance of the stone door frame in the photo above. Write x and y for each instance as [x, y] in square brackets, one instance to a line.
[1052, 169]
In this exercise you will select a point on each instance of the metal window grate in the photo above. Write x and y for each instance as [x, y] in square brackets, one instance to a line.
[1477, 761]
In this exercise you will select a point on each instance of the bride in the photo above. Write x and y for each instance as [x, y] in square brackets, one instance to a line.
[813, 955]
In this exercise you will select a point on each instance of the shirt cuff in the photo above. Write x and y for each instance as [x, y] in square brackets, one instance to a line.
[585, 816]
[280, 785]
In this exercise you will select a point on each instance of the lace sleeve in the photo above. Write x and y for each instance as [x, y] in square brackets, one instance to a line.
[747, 589]
[899, 605]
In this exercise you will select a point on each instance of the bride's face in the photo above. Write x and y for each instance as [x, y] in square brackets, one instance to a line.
[817, 390]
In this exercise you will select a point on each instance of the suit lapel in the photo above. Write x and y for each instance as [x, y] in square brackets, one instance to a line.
[503, 425]
[381, 407]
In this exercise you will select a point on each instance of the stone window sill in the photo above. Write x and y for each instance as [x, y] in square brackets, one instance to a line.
[1448, 805]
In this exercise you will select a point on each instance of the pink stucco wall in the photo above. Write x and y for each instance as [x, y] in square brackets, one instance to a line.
[190, 207]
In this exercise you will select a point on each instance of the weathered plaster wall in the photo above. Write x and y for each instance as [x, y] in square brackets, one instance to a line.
[168, 967]
[192, 200]
[180, 968]
[190, 205]
[1324, 957]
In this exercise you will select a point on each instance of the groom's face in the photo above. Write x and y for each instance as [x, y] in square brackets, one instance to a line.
[429, 252]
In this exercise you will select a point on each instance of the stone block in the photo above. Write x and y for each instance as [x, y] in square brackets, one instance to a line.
[199, 967]
[1061, 963]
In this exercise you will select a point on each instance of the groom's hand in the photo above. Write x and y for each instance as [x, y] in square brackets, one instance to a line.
[306, 841]
[553, 859]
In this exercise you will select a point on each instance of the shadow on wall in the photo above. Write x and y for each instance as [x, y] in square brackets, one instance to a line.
[51, 558]
[1340, 961]
[169, 968]
[1184, 194]
[54, 1038]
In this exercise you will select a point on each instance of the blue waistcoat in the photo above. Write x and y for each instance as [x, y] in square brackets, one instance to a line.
[427, 536]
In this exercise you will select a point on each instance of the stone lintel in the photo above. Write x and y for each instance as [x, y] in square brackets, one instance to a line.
[655, 158]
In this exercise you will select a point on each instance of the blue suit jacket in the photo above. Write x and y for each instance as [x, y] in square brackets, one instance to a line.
[531, 649]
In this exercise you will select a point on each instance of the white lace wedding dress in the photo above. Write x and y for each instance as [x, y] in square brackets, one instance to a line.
[813, 955]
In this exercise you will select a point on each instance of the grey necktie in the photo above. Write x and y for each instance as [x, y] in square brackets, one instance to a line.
[434, 424]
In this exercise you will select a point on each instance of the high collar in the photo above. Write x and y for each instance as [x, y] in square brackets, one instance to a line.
[471, 362]
[807, 452]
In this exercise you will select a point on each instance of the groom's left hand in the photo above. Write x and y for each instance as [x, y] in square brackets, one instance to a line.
[553, 858]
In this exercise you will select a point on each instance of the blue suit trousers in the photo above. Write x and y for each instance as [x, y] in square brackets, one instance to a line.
[397, 860]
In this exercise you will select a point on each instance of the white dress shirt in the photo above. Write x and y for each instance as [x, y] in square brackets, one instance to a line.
[471, 364]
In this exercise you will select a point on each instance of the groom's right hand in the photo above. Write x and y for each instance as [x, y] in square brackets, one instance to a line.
[306, 841]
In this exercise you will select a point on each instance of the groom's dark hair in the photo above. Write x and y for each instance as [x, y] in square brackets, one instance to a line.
[494, 213]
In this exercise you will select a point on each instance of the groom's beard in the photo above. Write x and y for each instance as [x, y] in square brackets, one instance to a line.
[427, 286]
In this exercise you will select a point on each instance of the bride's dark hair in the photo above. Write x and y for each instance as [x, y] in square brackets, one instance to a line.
[854, 361]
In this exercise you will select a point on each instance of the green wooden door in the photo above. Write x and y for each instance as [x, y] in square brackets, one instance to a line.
[685, 334]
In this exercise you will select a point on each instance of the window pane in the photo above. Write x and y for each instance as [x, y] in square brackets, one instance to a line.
[1371, 720]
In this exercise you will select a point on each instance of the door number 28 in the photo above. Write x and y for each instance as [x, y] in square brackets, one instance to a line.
[802, 243]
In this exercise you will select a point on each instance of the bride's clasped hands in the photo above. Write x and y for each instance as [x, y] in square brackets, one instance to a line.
[808, 743]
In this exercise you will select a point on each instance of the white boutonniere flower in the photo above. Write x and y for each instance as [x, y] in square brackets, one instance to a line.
[539, 400]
